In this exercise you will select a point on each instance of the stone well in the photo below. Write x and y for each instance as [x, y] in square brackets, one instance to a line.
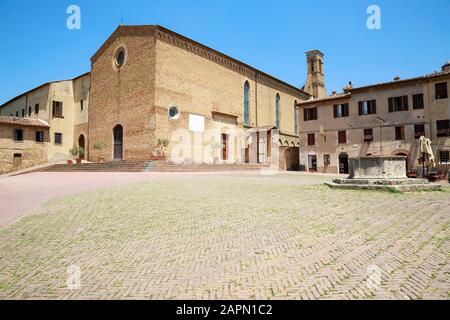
[378, 168]
[381, 173]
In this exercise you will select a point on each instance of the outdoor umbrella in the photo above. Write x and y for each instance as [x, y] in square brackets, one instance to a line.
[426, 153]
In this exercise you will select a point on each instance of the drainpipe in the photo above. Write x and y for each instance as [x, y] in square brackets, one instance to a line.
[256, 99]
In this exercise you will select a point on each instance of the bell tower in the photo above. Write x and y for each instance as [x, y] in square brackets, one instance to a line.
[315, 81]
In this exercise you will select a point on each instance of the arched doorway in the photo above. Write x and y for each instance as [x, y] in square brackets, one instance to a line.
[343, 163]
[82, 144]
[118, 142]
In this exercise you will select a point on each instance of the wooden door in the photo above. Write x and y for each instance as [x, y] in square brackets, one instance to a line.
[224, 146]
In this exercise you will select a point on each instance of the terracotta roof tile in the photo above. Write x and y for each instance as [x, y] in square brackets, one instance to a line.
[24, 122]
[336, 96]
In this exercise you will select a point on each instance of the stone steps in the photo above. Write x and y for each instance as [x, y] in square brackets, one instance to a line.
[150, 166]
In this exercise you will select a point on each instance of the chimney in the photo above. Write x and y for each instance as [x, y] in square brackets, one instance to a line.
[315, 81]
[446, 67]
[348, 87]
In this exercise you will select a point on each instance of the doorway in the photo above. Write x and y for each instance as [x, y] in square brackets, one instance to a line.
[81, 144]
[312, 163]
[224, 146]
[343, 164]
[118, 142]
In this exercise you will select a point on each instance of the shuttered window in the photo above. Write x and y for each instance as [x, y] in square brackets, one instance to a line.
[39, 136]
[367, 107]
[418, 101]
[441, 90]
[310, 114]
[397, 104]
[341, 110]
[57, 109]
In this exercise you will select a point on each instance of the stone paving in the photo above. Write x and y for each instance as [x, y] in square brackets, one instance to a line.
[231, 237]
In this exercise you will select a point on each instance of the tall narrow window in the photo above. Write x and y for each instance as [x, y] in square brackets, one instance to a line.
[277, 111]
[295, 117]
[246, 103]
[36, 109]
[29, 111]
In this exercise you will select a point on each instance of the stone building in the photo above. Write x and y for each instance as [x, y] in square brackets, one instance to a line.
[63, 105]
[23, 143]
[381, 119]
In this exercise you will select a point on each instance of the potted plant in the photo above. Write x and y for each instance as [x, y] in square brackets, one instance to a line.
[161, 146]
[100, 146]
[77, 152]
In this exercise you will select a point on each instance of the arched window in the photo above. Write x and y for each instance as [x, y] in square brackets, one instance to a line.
[295, 117]
[246, 103]
[277, 111]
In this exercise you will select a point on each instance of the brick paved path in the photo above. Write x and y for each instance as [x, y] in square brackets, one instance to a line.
[231, 237]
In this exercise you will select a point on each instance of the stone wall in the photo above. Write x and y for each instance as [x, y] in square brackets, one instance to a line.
[32, 153]
[124, 96]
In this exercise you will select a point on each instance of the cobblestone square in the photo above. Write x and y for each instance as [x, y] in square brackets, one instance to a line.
[231, 237]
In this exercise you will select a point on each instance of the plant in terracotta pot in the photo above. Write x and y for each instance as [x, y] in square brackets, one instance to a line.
[77, 152]
[161, 147]
[100, 146]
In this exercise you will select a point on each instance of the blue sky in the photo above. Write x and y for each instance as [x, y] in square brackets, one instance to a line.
[269, 35]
